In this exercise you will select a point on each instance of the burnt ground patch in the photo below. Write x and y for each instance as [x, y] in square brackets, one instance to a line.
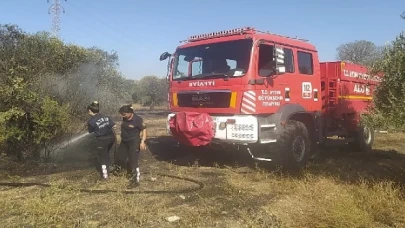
[353, 166]
[339, 161]
[339, 189]
[164, 148]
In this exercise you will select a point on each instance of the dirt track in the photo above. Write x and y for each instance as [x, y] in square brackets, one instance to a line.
[357, 189]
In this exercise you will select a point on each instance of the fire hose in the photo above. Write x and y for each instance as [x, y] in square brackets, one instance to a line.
[101, 191]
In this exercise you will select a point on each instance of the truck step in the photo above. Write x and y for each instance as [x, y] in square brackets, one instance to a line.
[264, 141]
[267, 125]
[258, 158]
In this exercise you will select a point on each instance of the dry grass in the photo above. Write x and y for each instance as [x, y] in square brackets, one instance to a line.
[341, 189]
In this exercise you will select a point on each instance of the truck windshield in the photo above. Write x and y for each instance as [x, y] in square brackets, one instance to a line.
[216, 60]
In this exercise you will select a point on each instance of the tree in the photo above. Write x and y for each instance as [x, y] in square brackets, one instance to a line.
[389, 97]
[136, 92]
[46, 85]
[151, 91]
[360, 52]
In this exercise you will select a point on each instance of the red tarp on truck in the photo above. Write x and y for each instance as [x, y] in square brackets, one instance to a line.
[192, 128]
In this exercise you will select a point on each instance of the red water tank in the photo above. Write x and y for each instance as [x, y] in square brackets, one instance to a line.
[192, 128]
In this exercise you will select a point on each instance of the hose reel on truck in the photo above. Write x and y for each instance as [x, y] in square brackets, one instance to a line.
[192, 128]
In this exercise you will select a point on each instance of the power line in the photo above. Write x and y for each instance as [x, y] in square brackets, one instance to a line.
[55, 11]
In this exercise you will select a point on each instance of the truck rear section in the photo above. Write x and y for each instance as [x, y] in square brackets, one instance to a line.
[263, 92]
[347, 93]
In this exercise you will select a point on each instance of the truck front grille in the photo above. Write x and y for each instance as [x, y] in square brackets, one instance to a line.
[204, 99]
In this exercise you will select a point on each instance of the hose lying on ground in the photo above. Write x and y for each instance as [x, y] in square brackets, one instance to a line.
[200, 186]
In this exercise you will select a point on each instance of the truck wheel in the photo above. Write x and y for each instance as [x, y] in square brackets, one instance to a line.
[363, 139]
[295, 146]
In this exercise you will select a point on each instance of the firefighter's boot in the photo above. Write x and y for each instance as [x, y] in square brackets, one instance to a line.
[135, 179]
[104, 172]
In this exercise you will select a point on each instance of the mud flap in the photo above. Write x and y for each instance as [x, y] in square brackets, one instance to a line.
[192, 128]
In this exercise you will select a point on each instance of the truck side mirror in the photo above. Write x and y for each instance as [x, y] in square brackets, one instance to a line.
[164, 56]
[169, 68]
[279, 59]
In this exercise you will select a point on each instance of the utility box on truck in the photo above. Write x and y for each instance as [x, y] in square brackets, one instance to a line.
[266, 93]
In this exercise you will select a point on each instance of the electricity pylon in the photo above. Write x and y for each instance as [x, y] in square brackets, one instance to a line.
[55, 10]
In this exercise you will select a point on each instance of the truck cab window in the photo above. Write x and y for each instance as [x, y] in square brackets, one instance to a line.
[266, 63]
[289, 60]
[181, 70]
[224, 59]
[196, 66]
[305, 63]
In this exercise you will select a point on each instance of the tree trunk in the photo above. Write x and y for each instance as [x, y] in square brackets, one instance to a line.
[152, 106]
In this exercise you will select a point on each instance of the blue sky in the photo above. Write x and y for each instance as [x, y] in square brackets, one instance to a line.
[141, 30]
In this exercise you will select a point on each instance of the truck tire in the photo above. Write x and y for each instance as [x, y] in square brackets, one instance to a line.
[363, 139]
[294, 146]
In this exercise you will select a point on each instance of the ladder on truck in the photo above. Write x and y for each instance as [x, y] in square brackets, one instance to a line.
[331, 88]
[330, 99]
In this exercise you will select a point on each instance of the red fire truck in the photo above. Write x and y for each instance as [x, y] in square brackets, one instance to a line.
[266, 93]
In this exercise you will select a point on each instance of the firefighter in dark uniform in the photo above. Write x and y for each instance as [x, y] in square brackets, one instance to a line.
[102, 128]
[131, 143]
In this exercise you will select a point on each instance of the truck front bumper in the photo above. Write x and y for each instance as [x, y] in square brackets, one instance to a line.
[237, 129]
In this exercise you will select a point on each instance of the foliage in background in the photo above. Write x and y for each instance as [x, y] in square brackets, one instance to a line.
[389, 97]
[46, 86]
[150, 91]
[388, 111]
[361, 52]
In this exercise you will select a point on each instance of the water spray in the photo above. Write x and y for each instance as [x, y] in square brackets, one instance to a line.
[103, 191]
[67, 142]
[64, 145]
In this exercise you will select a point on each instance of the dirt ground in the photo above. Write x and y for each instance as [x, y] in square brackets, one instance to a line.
[223, 189]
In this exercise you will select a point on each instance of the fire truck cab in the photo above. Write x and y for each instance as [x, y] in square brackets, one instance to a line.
[265, 92]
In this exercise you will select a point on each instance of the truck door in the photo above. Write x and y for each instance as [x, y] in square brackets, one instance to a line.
[270, 94]
[305, 86]
[276, 88]
[298, 83]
